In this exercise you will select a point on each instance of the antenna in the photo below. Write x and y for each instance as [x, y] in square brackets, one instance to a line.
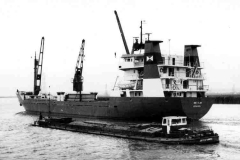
[142, 22]
[35, 72]
[49, 104]
[148, 34]
[169, 45]
[141, 34]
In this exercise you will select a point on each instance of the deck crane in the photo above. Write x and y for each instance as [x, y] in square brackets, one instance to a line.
[38, 69]
[78, 78]
[122, 34]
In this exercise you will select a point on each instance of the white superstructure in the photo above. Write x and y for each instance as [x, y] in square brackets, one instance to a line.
[179, 76]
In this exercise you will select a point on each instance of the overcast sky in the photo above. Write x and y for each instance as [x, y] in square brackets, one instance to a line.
[213, 24]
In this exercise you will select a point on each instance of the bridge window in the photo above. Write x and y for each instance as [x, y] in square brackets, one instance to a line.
[176, 121]
[163, 60]
[173, 61]
[184, 120]
[164, 69]
[164, 121]
[128, 59]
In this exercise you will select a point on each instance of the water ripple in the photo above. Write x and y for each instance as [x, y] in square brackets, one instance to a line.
[20, 140]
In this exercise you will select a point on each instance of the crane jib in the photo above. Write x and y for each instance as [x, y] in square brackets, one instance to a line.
[78, 78]
[122, 34]
[38, 63]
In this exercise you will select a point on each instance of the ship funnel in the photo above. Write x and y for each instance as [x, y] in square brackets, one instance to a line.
[191, 55]
[152, 86]
[152, 57]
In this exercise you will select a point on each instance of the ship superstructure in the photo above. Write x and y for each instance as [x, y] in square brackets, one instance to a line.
[148, 73]
[169, 75]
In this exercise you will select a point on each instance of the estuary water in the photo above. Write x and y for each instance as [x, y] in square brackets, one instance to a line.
[19, 140]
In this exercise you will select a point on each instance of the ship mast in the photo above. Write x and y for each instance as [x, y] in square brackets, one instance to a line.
[141, 35]
[78, 78]
[141, 43]
[35, 72]
[38, 69]
[122, 34]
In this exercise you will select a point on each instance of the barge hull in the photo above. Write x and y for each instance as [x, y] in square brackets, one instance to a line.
[128, 134]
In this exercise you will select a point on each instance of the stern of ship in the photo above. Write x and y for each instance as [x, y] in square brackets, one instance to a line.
[196, 108]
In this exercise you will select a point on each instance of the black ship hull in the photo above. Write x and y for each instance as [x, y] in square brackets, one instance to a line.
[122, 108]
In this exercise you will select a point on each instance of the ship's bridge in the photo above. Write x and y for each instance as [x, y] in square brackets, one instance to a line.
[131, 61]
[172, 66]
[176, 61]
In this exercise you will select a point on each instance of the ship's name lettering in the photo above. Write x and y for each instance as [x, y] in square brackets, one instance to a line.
[197, 102]
[196, 105]
[204, 140]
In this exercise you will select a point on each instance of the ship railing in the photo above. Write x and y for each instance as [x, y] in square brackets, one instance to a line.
[192, 64]
[27, 96]
[172, 87]
[123, 65]
[130, 64]
[134, 76]
[195, 76]
[179, 63]
[131, 77]
[171, 63]
[196, 87]
[175, 87]
[179, 74]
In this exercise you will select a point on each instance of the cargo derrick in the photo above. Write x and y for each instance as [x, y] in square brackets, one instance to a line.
[38, 69]
[78, 78]
[122, 34]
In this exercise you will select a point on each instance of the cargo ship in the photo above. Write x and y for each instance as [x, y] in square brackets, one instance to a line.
[154, 85]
